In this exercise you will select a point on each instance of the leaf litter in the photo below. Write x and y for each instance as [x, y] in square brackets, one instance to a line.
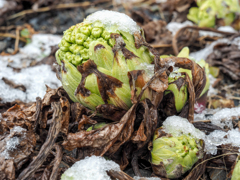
[42, 139]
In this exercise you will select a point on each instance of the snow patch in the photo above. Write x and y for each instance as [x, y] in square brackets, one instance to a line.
[33, 78]
[12, 142]
[204, 53]
[149, 69]
[175, 26]
[217, 138]
[39, 48]
[177, 126]
[112, 18]
[224, 117]
[90, 168]
[175, 72]
[220, 117]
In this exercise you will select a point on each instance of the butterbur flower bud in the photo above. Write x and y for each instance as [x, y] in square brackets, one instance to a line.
[96, 57]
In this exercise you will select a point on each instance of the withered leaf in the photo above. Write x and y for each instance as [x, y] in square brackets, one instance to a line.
[21, 144]
[7, 169]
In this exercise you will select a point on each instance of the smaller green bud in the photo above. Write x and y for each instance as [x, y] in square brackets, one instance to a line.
[84, 53]
[77, 60]
[75, 49]
[80, 38]
[67, 36]
[57, 55]
[68, 56]
[61, 54]
[86, 30]
[106, 35]
[87, 42]
[96, 32]
[72, 39]
[64, 45]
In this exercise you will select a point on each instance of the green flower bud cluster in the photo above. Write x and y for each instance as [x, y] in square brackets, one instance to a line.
[74, 47]
[96, 56]
[172, 156]
[208, 10]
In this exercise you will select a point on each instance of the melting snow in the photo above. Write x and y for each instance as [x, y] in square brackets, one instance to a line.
[111, 18]
[149, 69]
[221, 117]
[175, 26]
[224, 117]
[177, 125]
[204, 53]
[13, 142]
[90, 168]
[218, 137]
[175, 72]
[33, 78]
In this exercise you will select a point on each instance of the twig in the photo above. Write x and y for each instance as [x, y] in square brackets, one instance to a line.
[161, 45]
[12, 36]
[17, 40]
[213, 158]
[44, 9]
[47, 146]
[119, 175]
[210, 167]
[174, 41]
[134, 163]
[204, 121]
[57, 161]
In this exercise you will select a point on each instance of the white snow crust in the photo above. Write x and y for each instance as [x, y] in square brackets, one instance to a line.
[218, 137]
[13, 142]
[149, 69]
[177, 125]
[112, 18]
[33, 78]
[204, 53]
[90, 168]
[175, 72]
[224, 117]
[175, 26]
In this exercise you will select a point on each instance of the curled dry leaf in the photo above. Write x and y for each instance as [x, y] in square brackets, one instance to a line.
[226, 57]
[195, 85]
[18, 146]
[104, 137]
[47, 146]
[111, 137]
[19, 115]
[7, 169]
